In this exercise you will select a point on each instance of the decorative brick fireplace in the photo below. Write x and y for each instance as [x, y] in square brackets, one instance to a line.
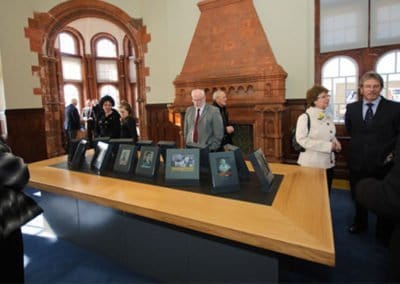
[230, 51]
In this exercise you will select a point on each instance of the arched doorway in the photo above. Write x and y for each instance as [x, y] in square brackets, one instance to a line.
[43, 31]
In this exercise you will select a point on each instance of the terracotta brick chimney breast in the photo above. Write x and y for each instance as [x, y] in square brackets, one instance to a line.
[230, 51]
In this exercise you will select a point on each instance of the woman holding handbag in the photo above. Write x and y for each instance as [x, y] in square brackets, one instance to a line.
[316, 133]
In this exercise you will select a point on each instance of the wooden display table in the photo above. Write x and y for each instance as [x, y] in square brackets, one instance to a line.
[297, 224]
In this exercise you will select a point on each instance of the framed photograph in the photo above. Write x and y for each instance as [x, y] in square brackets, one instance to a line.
[148, 162]
[224, 174]
[78, 157]
[261, 167]
[182, 167]
[125, 158]
[241, 166]
[204, 158]
[164, 145]
[101, 157]
[115, 143]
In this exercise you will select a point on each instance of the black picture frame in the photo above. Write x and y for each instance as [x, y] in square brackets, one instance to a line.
[101, 157]
[95, 140]
[224, 174]
[115, 143]
[204, 155]
[125, 159]
[78, 157]
[262, 169]
[244, 173]
[148, 162]
[72, 145]
[164, 145]
[141, 143]
[182, 167]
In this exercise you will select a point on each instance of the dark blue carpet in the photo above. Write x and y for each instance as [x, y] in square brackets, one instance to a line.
[359, 258]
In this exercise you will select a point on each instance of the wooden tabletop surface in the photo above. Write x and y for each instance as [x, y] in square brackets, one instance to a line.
[298, 223]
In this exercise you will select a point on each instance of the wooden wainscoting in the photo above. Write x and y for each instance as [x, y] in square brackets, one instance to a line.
[160, 124]
[26, 133]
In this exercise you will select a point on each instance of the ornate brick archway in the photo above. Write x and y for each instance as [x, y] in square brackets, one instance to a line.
[42, 33]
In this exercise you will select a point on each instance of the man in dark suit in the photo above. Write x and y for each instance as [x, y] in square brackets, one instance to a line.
[72, 122]
[220, 99]
[383, 198]
[203, 123]
[373, 123]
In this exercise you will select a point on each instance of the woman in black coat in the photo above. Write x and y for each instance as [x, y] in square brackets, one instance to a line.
[128, 122]
[108, 123]
[15, 210]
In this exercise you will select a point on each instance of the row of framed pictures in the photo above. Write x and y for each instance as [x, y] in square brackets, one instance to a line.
[182, 166]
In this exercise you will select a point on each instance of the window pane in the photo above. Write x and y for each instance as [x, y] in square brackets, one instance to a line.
[112, 91]
[71, 68]
[393, 87]
[347, 67]
[342, 84]
[71, 92]
[67, 43]
[106, 71]
[132, 70]
[385, 22]
[386, 64]
[331, 68]
[106, 48]
[388, 67]
[344, 24]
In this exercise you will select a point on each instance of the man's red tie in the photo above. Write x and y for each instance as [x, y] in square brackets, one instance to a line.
[195, 132]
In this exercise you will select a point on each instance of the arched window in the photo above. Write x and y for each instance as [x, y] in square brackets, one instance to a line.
[106, 48]
[67, 43]
[388, 66]
[71, 63]
[339, 75]
[106, 58]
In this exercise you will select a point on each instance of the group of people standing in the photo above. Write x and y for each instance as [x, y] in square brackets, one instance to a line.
[373, 124]
[208, 124]
[102, 120]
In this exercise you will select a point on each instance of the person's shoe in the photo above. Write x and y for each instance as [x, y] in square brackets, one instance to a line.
[356, 228]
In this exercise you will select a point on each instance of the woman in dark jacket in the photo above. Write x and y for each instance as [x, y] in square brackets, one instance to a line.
[15, 210]
[108, 124]
[128, 122]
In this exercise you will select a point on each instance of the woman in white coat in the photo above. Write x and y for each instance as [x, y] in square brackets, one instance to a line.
[319, 141]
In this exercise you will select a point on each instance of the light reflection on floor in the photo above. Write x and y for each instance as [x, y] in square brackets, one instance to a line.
[38, 227]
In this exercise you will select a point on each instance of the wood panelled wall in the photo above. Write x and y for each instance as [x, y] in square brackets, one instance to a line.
[26, 133]
[160, 124]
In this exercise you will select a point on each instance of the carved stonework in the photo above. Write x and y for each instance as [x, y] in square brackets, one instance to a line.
[230, 51]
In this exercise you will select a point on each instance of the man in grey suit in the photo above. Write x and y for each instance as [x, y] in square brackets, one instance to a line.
[203, 123]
